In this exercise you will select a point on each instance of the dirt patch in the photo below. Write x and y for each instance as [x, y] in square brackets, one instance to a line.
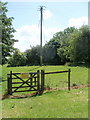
[20, 96]
[72, 87]
[39, 93]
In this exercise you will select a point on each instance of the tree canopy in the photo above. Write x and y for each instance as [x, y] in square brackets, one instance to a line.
[69, 45]
[7, 32]
[77, 48]
[18, 59]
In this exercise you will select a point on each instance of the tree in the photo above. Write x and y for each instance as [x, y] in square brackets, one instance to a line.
[54, 50]
[79, 49]
[7, 33]
[18, 59]
[33, 56]
[64, 38]
[50, 52]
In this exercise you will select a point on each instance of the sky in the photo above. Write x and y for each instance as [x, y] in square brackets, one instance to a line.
[56, 17]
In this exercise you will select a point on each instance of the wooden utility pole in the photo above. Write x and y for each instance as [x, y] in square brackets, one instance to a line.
[41, 10]
[41, 18]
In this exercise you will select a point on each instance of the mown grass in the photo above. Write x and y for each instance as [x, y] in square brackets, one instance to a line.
[52, 104]
[56, 104]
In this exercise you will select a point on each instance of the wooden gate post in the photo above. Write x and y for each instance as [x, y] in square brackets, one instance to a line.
[42, 80]
[69, 79]
[9, 83]
[38, 80]
[31, 80]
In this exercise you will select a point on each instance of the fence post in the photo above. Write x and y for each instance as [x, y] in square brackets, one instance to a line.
[42, 80]
[69, 79]
[38, 80]
[10, 83]
[31, 80]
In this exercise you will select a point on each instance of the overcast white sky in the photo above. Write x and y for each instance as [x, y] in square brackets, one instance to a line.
[57, 16]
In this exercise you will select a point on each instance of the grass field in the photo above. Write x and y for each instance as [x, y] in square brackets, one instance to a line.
[79, 75]
[56, 104]
[52, 104]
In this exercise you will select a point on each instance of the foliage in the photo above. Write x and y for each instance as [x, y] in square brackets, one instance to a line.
[33, 56]
[7, 33]
[78, 49]
[64, 42]
[54, 50]
[70, 45]
[74, 46]
[17, 59]
[50, 52]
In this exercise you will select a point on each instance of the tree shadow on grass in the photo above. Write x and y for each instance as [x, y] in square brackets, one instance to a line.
[35, 68]
[87, 65]
[6, 96]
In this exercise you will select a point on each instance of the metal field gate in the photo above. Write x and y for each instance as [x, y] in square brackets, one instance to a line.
[24, 82]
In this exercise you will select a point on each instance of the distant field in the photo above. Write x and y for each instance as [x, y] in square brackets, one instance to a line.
[51, 104]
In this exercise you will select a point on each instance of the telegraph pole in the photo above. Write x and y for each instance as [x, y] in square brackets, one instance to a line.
[41, 18]
[41, 10]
